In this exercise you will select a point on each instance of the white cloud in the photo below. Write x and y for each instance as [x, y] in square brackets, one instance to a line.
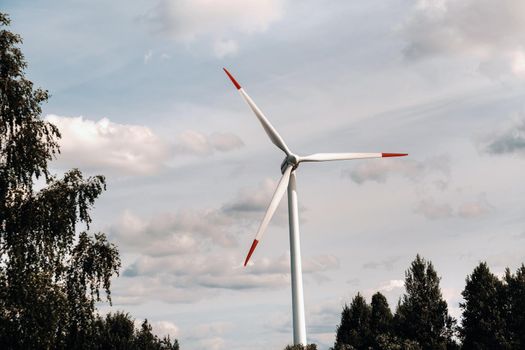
[147, 56]
[224, 271]
[433, 211]
[385, 264]
[218, 21]
[165, 328]
[223, 48]
[493, 32]
[414, 170]
[195, 143]
[197, 250]
[107, 146]
[391, 285]
[215, 343]
[474, 209]
[431, 178]
[181, 232]
[466, 210]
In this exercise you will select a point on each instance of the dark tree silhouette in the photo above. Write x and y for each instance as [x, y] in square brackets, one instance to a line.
[117, 331]
[354, 329]
[515, 307]
[380, 320]
[50, 275]
[483, 320]
[422, 313]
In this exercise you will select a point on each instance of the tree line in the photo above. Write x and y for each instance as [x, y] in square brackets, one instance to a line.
[493, 314]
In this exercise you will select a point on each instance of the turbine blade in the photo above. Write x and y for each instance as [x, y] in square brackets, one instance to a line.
[324, 157]
[274, 203]
[268, 127]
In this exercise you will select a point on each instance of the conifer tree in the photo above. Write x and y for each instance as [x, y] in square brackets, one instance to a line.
[354, 329]
[380, 319]
[422, 313]
[483, 320]
[515, 307]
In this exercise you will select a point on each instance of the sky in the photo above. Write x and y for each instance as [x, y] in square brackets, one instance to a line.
[139, 95]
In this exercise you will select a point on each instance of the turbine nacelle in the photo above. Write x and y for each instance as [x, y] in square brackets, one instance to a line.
[290, 160]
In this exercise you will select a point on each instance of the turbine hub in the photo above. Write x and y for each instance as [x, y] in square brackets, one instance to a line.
[292, 160]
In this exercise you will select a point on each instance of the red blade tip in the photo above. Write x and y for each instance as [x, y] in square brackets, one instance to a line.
[393, 154]
[252, 248]
[232, 79]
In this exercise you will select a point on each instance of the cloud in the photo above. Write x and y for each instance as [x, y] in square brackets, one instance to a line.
[165, 328]
[107, 146]
[282, 264]
[474, 209]
[431, 178]
[250, 203]
[189, 230]
[386, 264]
[147, 56]
[191, 278]
[223, 271]
[466, 210]
[510, 139]
[434, 211]
[413, 170]
[219, 21]
[197, 250]
[493, 32]
[323, 317]
[252, 199]
[182, 232]
[195, 143]
[223, 48]
[215, 343]
[391, 285]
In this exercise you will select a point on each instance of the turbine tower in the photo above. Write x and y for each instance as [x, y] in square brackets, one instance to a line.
[288, 168]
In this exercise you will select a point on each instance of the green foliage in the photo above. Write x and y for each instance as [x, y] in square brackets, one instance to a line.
[494, 310]
[421, 320]
[117, 332]
[354, 329]
[50, 276]
[381, 321]
[515, 306]
[483, 324]
[422, 314]
[381, 316]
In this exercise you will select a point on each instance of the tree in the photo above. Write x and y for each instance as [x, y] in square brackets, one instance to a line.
[354, 330]
[422, 313]
[515, 307]
[50, 276]
[380, 319]
[483, 319]
[117, 332]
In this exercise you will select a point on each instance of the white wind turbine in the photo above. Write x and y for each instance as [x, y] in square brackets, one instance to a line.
[288, 168]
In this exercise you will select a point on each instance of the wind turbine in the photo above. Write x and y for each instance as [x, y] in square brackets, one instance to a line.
[288, 168]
